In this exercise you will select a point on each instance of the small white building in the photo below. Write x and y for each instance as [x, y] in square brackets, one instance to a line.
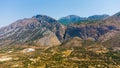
[28, 50]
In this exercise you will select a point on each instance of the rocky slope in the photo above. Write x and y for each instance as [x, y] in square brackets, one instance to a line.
[103, 30]
[86, 31]
[32, 29]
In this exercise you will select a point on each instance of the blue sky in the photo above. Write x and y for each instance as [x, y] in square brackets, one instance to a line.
[12, 10]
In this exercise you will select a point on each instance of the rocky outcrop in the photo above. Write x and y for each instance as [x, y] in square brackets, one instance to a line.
[74, 42]
[49, 39]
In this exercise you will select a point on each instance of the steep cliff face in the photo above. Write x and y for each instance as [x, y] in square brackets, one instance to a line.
[87, 31]
[30, 29]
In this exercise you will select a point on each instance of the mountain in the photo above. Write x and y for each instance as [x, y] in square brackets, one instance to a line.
[104, 31]
[98, 17]
[86, 31]
[44, 30]
[76, 19]
[113, 37]
[43, 42]
[31, 30]
[71, 19]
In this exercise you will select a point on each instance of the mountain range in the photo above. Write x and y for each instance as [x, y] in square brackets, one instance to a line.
[32, 30]
[39, 29]
[76, 19]
[71, 42]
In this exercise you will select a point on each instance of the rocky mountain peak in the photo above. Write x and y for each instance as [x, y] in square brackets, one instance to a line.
[44, 18]
[71, 19]
[72, 16]
[30, 30]
[117, 14]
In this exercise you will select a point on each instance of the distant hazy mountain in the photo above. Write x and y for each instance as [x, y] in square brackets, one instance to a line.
[71, 19]
[76, 19]
[98, 17]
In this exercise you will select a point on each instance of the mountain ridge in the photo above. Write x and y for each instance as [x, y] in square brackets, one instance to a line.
[24, 29]
[33, 29]
[77, 19]
[43, 42]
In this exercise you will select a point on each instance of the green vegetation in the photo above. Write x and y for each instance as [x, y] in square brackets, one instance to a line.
[87, 22]
[59, 57]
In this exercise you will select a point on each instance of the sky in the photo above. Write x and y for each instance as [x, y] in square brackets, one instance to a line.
[12, 10]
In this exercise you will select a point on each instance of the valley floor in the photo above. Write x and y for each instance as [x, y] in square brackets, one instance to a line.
[56, 57]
